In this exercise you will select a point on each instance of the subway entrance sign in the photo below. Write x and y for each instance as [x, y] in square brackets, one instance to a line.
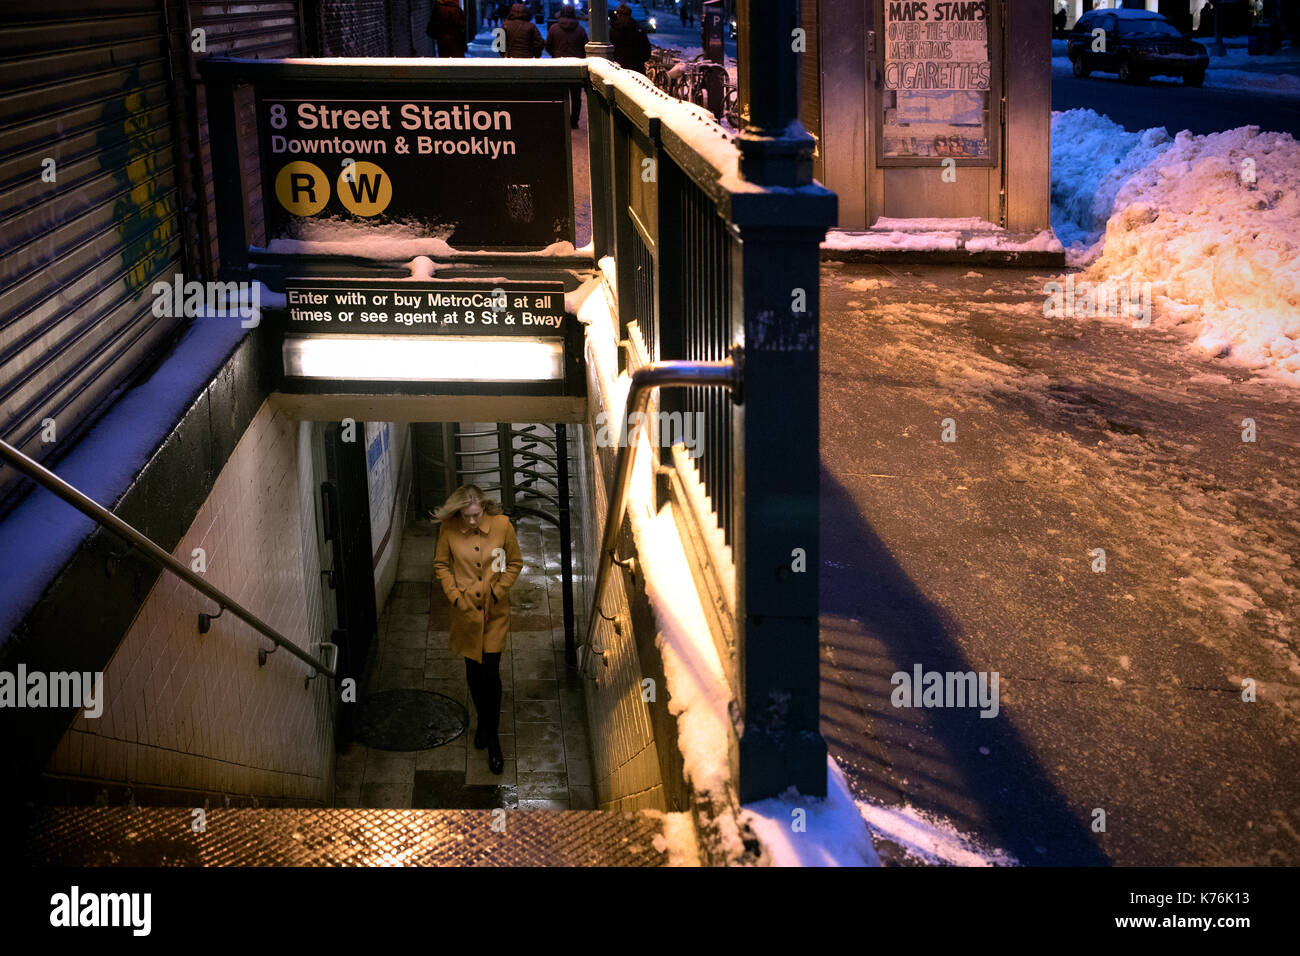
[431, 331]
[362, 167]
[480, 173]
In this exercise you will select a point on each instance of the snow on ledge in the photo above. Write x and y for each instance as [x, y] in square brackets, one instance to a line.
[939, 235]
[42, 533]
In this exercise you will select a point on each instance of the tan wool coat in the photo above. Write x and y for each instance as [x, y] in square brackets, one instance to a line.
[479, 595]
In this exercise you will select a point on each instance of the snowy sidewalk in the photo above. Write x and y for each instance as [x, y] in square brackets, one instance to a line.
[1120, 689]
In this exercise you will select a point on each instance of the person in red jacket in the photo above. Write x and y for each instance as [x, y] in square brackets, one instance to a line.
[523, 39]
[567, 37]
[447, 27]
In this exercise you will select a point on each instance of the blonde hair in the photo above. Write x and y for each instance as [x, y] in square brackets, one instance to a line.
[463, 497]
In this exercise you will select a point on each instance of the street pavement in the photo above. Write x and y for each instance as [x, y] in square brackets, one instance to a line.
[1120, 690]
[1167, 103]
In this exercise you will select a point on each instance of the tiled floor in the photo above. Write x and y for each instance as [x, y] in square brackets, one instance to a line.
[543, 721]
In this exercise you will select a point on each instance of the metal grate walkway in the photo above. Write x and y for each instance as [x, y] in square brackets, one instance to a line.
[162, 836]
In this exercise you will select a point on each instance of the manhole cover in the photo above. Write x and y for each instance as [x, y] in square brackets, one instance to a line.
[410, 720]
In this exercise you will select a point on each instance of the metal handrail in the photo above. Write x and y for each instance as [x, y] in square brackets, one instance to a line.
[727, 373]
[107, 519]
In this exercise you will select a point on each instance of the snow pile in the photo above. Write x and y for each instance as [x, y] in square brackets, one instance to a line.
[828, 832]
[1211, 222]
[1091, 159]
[928, 839]
[678, 839]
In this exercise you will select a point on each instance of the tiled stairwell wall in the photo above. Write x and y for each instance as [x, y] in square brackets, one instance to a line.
[625, 760]
[188, 713]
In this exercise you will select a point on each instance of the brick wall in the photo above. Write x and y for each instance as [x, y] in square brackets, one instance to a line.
[190, 712]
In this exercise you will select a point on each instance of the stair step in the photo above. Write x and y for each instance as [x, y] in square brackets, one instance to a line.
[164, 836]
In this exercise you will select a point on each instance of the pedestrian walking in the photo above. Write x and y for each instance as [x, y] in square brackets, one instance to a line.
[567, 37]
[476, 562]
[631, 45]
[523, 39]
[447, 27]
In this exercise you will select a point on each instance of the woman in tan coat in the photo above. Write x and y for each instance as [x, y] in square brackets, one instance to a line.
[476, 562]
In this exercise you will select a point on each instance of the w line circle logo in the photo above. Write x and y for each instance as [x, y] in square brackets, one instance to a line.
[363, 188]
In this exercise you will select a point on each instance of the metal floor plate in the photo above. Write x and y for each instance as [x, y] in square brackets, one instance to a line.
[409, 720]
[163, 836]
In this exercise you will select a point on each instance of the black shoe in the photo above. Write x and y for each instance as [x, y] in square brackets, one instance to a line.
[496, 762]
[479, 742]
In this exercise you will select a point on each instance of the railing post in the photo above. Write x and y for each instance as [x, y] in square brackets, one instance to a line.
[598, 30]
[506, 462]
[566, 542]
[775, 150]
[599, 145]
[776, 507]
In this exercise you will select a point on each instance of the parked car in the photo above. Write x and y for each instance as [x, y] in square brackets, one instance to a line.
[1138, 44]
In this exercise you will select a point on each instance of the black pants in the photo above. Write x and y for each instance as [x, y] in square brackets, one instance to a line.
[485, 688]
[575, 105]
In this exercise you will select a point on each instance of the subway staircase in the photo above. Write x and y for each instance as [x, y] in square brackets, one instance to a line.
[171, 836]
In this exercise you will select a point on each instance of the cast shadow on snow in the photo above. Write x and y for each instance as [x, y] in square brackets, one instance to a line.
[1005, 791]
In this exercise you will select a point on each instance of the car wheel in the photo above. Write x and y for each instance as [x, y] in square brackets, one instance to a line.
[1127, 74]
[1080, 67]
[1194, 79]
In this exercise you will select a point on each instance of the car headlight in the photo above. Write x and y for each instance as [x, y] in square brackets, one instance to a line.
[653, 24]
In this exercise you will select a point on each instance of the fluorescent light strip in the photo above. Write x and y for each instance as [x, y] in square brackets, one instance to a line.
[423, 358]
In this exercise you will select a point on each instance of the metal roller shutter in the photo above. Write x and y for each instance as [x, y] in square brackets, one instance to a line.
[810, 78]
[262, 29]
[354, 28]
[91, 90]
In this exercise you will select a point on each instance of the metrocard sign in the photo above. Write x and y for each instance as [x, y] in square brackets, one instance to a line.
[426, 331]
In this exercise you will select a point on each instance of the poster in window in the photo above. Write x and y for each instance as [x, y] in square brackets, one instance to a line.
[938, 76]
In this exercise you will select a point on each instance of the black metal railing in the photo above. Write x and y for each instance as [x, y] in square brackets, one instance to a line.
[643, 294]
[529, 466]
[706, 307]
[105, 518]
[731, 224]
